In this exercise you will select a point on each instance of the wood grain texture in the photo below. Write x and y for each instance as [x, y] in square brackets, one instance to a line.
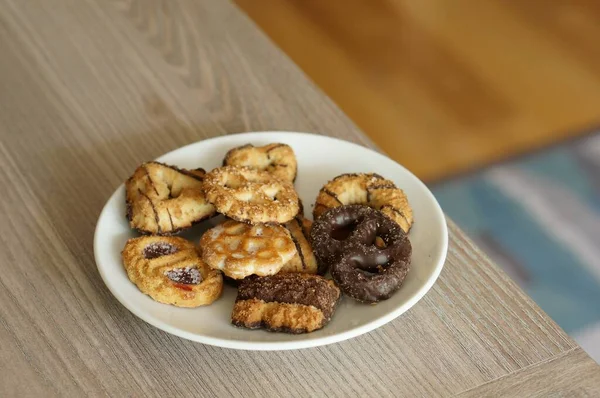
[448, 86]
[88, 90]
[575, 374]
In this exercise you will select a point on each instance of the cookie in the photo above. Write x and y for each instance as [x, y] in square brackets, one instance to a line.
[306, 226]
[366, 189]
[277, 159]
[163, 200]
[240, 249]
[170, 271]
[290, 303]
[369, 254]
[304, 260]
[249, 195]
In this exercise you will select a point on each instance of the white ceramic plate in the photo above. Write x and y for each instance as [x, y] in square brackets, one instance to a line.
[319, 160]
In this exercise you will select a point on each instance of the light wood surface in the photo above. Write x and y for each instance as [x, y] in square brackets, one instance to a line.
[448, 86]
[88, 90]
[574, 374]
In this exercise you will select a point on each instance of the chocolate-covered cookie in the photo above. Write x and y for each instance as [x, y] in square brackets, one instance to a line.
[290, 303]
[369, 254]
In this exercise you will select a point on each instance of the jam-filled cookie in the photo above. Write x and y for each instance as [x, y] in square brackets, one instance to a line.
[163, 200]
[290, 303]
[277, 159]
[250, 195]
[239, 249]
[169, 270]
[366, 189]
[369, 254]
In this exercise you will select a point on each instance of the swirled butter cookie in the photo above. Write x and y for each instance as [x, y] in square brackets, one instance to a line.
[163, 200]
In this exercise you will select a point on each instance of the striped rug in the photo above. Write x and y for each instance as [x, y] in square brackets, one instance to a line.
[539, 218]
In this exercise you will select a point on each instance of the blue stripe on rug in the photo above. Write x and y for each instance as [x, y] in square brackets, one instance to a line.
[458, 202]
[560, 284]
[561, 166]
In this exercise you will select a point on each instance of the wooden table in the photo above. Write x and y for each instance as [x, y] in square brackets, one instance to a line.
[92, 88]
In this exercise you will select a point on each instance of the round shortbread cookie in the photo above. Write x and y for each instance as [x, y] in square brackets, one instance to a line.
[239, 249]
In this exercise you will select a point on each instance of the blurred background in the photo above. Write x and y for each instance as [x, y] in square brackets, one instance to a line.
[495, 104]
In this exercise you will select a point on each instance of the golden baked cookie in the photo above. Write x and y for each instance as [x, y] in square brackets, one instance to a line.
[239, 249]
[277, 159]
[249, 195]
[290, 303]
[306, 226]
[366, 189]
[304, 260]
[163, 200]
[170, 271]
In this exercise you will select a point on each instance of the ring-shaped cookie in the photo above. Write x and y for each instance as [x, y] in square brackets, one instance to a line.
[169, 270]
[163, 199]
[366, 189]
[249, 195]
[278, 159]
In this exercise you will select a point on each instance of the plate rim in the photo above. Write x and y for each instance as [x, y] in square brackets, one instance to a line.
[281, 345]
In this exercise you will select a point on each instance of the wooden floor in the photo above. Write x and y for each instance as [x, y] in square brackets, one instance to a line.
[448, 86]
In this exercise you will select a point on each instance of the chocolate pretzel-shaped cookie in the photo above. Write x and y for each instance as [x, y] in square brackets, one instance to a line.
[369, 254]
